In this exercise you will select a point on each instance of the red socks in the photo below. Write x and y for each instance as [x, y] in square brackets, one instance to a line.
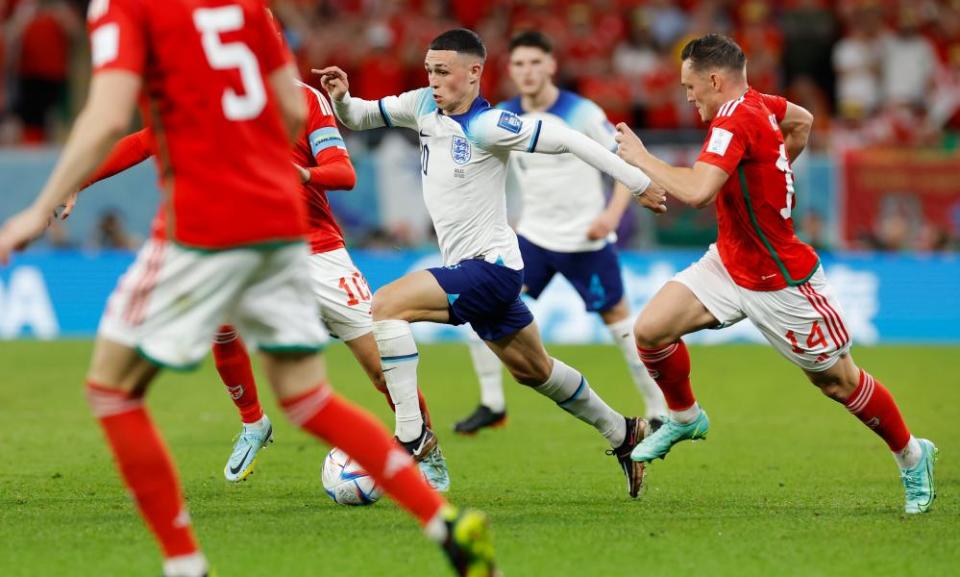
[145, 466]
[339, 423]
[423, 406]
[873, 404]
[670, 367]
[233, 364]
[236, 372]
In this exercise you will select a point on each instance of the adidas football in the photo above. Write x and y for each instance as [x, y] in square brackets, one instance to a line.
[346, 482]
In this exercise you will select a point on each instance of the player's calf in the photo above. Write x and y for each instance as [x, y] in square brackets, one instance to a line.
[870, 402]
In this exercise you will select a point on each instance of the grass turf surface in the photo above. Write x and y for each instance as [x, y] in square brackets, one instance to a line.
[787, 484]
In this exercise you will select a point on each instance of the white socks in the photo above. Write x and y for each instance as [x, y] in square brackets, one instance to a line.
[622, 333]
[399, 359]
[489, 373]
[686, 416]
[436, 527]
[569, 389]
[194, 565]
[910, 455]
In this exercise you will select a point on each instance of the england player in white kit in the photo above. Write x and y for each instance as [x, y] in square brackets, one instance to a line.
[465, 147]
[566, 226]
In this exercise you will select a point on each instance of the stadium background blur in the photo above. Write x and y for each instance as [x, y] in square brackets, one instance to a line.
[879, 176]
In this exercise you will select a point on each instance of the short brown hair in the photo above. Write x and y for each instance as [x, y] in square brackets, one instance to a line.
[532, 39]
[461, 41]
[714, 51]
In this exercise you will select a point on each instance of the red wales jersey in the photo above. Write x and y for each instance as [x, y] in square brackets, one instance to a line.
[322, 152]
[757, 242]
[221, 149]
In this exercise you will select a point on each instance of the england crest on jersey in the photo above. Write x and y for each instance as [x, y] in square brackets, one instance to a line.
[460, 150]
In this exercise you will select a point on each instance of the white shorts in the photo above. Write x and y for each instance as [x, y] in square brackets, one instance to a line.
[342, 294]
[804, 323]
[170, 302]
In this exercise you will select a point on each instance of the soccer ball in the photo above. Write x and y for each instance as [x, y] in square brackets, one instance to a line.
[346, 482]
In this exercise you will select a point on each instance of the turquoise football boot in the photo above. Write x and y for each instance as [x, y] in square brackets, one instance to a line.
[658, 443]
[434, 469]
[918, 480]
[244, 456]
[425, 450]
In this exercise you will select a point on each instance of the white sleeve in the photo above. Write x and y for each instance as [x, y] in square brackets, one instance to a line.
[391, 111]
[502, 131]
[555, 138]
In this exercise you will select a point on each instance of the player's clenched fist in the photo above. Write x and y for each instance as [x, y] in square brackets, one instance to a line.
[20, 230]
[334, 81]
[654, 198]
[630, 147]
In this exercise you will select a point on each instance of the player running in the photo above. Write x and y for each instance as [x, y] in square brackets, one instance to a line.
[565, 226]
[758, 269]
[465, 145]
[229, 245]
[321, 159]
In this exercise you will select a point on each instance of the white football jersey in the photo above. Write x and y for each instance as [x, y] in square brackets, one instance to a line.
[562, 195]
[464, 170]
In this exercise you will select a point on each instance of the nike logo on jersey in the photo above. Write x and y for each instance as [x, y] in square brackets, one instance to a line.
[765, 277]
[424, 134]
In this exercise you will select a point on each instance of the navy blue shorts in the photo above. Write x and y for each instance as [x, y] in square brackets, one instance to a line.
[486, 295]
[595, 275]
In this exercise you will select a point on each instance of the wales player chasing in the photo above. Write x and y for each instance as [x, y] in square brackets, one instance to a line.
[565, 227]
[758, 269]
[321, 159]
[465, 146]
[229, 247]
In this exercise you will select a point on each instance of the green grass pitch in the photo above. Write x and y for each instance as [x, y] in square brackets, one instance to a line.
[787, 484]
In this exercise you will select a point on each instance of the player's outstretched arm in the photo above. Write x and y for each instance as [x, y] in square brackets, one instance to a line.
[129, 151]
[796, 126]
[558, 139]
[697, 186]
[354, 113]
[359, 114]
[103, 120]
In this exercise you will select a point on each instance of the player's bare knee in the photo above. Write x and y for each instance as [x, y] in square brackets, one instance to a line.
[831, 385]
[384, 306]
[834, 390]
[293, 373]
[838, 382]
[616, 313]
[649, 336]
[116, 366]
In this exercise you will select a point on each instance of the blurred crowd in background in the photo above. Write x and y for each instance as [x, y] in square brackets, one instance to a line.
[874, 72]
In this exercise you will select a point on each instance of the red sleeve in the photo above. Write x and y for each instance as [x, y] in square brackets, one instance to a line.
[775, 104]
[334, 174]
[334, 171]
[118, 32]
[128, 151]
[726, 144]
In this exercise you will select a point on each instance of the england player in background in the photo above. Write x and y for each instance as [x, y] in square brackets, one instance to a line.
[566, 226]
[465, 145]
